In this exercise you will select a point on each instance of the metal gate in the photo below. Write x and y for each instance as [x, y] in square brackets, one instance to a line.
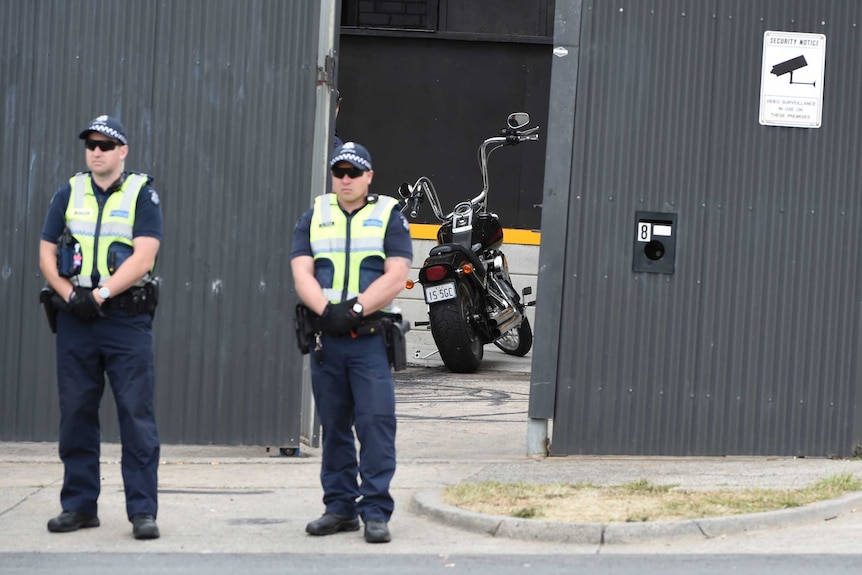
[220, 99]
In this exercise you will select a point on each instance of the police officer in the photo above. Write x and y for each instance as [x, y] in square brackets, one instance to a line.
[350, 259]
[109, 224]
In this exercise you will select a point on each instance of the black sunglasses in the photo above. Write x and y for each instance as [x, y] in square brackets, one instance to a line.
[352, 172]
[104, 145]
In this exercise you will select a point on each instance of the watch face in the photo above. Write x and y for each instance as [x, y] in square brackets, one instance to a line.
[357, 307]
[104, 293]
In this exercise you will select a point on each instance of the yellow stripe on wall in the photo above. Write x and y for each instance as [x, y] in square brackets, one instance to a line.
[510, 236]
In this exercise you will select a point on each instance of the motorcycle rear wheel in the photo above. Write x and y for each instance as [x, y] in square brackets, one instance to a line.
[517, 341]
[460, 345]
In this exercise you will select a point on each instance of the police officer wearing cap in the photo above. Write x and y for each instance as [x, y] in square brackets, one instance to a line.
[350, 259]
[110, 223]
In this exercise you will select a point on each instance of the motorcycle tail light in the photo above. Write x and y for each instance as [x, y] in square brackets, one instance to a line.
[467, 269]
[435, 273]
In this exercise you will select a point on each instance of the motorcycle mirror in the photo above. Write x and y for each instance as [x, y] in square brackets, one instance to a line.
[404, 190]
[518, 120]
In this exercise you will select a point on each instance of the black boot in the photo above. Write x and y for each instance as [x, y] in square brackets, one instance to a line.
[376, 531]
[71, 521]
[330, 523]
[144, 526]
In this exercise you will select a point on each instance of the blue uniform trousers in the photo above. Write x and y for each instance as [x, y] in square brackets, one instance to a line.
[353, 387]
[121, 347]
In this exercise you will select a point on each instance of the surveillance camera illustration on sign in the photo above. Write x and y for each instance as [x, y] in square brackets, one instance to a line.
[789, 67]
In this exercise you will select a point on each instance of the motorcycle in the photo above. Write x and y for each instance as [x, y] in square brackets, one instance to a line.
[467, 288]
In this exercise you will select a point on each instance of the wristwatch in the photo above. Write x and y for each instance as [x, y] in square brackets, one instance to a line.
[357, 309]
[104, 292]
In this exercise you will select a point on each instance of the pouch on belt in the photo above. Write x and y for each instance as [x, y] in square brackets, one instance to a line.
[52, 302]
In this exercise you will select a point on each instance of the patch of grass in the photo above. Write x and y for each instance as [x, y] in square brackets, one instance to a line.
[527, 513]
[635, 501]
[838, 484]
[645, 486]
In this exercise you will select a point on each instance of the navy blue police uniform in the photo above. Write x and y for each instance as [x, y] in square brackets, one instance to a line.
[117, 344]
[353, 387]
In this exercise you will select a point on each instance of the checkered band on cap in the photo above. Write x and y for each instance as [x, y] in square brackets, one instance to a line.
[354, 153]
[107, 126]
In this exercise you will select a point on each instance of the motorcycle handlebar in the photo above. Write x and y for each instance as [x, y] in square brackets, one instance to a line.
[416, 194]
[423, 188]
[514, 139]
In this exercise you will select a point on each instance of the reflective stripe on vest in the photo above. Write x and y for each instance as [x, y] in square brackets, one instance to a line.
[97, 230]
[347, 249]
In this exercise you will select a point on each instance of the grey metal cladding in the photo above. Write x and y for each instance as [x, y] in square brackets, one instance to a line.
[236, 87]
[17, 225]
[751, 346]
[219, 101]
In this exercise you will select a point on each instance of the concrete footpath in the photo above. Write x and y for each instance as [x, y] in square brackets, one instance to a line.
[452, 429]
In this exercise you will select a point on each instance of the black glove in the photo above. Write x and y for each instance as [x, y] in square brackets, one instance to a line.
[339, 319]
[58, 302]
[83, 305]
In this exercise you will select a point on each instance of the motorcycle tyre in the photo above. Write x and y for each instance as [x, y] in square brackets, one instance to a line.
[460, 345]
[524, 335]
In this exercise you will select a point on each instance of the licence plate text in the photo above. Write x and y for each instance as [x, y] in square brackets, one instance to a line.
[440, 292]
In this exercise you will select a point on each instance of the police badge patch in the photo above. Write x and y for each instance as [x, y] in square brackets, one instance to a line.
[154, 197]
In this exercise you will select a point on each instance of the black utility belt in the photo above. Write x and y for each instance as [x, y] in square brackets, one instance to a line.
[135, 300]
[391, 326]
[375, 324]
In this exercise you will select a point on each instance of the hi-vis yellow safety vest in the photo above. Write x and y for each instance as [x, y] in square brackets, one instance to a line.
[348, 250]
[97, 229]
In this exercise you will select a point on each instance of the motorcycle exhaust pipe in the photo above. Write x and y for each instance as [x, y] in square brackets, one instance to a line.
[510, 325]
[503, 316]
[506, 320]
[508, 317]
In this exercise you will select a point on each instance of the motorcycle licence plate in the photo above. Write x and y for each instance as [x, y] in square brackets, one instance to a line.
[440, 292]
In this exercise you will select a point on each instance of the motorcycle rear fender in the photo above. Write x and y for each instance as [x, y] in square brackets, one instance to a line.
[459, 255]
[453, 256]
[448, 261]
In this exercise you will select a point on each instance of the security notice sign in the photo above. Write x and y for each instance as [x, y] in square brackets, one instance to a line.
[791, 86]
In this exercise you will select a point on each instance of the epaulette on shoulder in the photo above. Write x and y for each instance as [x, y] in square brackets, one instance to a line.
[142, 174]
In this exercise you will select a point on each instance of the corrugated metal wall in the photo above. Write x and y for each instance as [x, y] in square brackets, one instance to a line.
[751, 346]
[219, 100]
[18, 240]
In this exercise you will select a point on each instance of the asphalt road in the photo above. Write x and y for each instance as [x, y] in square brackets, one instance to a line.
[379, 564]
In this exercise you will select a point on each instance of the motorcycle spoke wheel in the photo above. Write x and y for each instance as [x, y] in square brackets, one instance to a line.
[517, 341]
